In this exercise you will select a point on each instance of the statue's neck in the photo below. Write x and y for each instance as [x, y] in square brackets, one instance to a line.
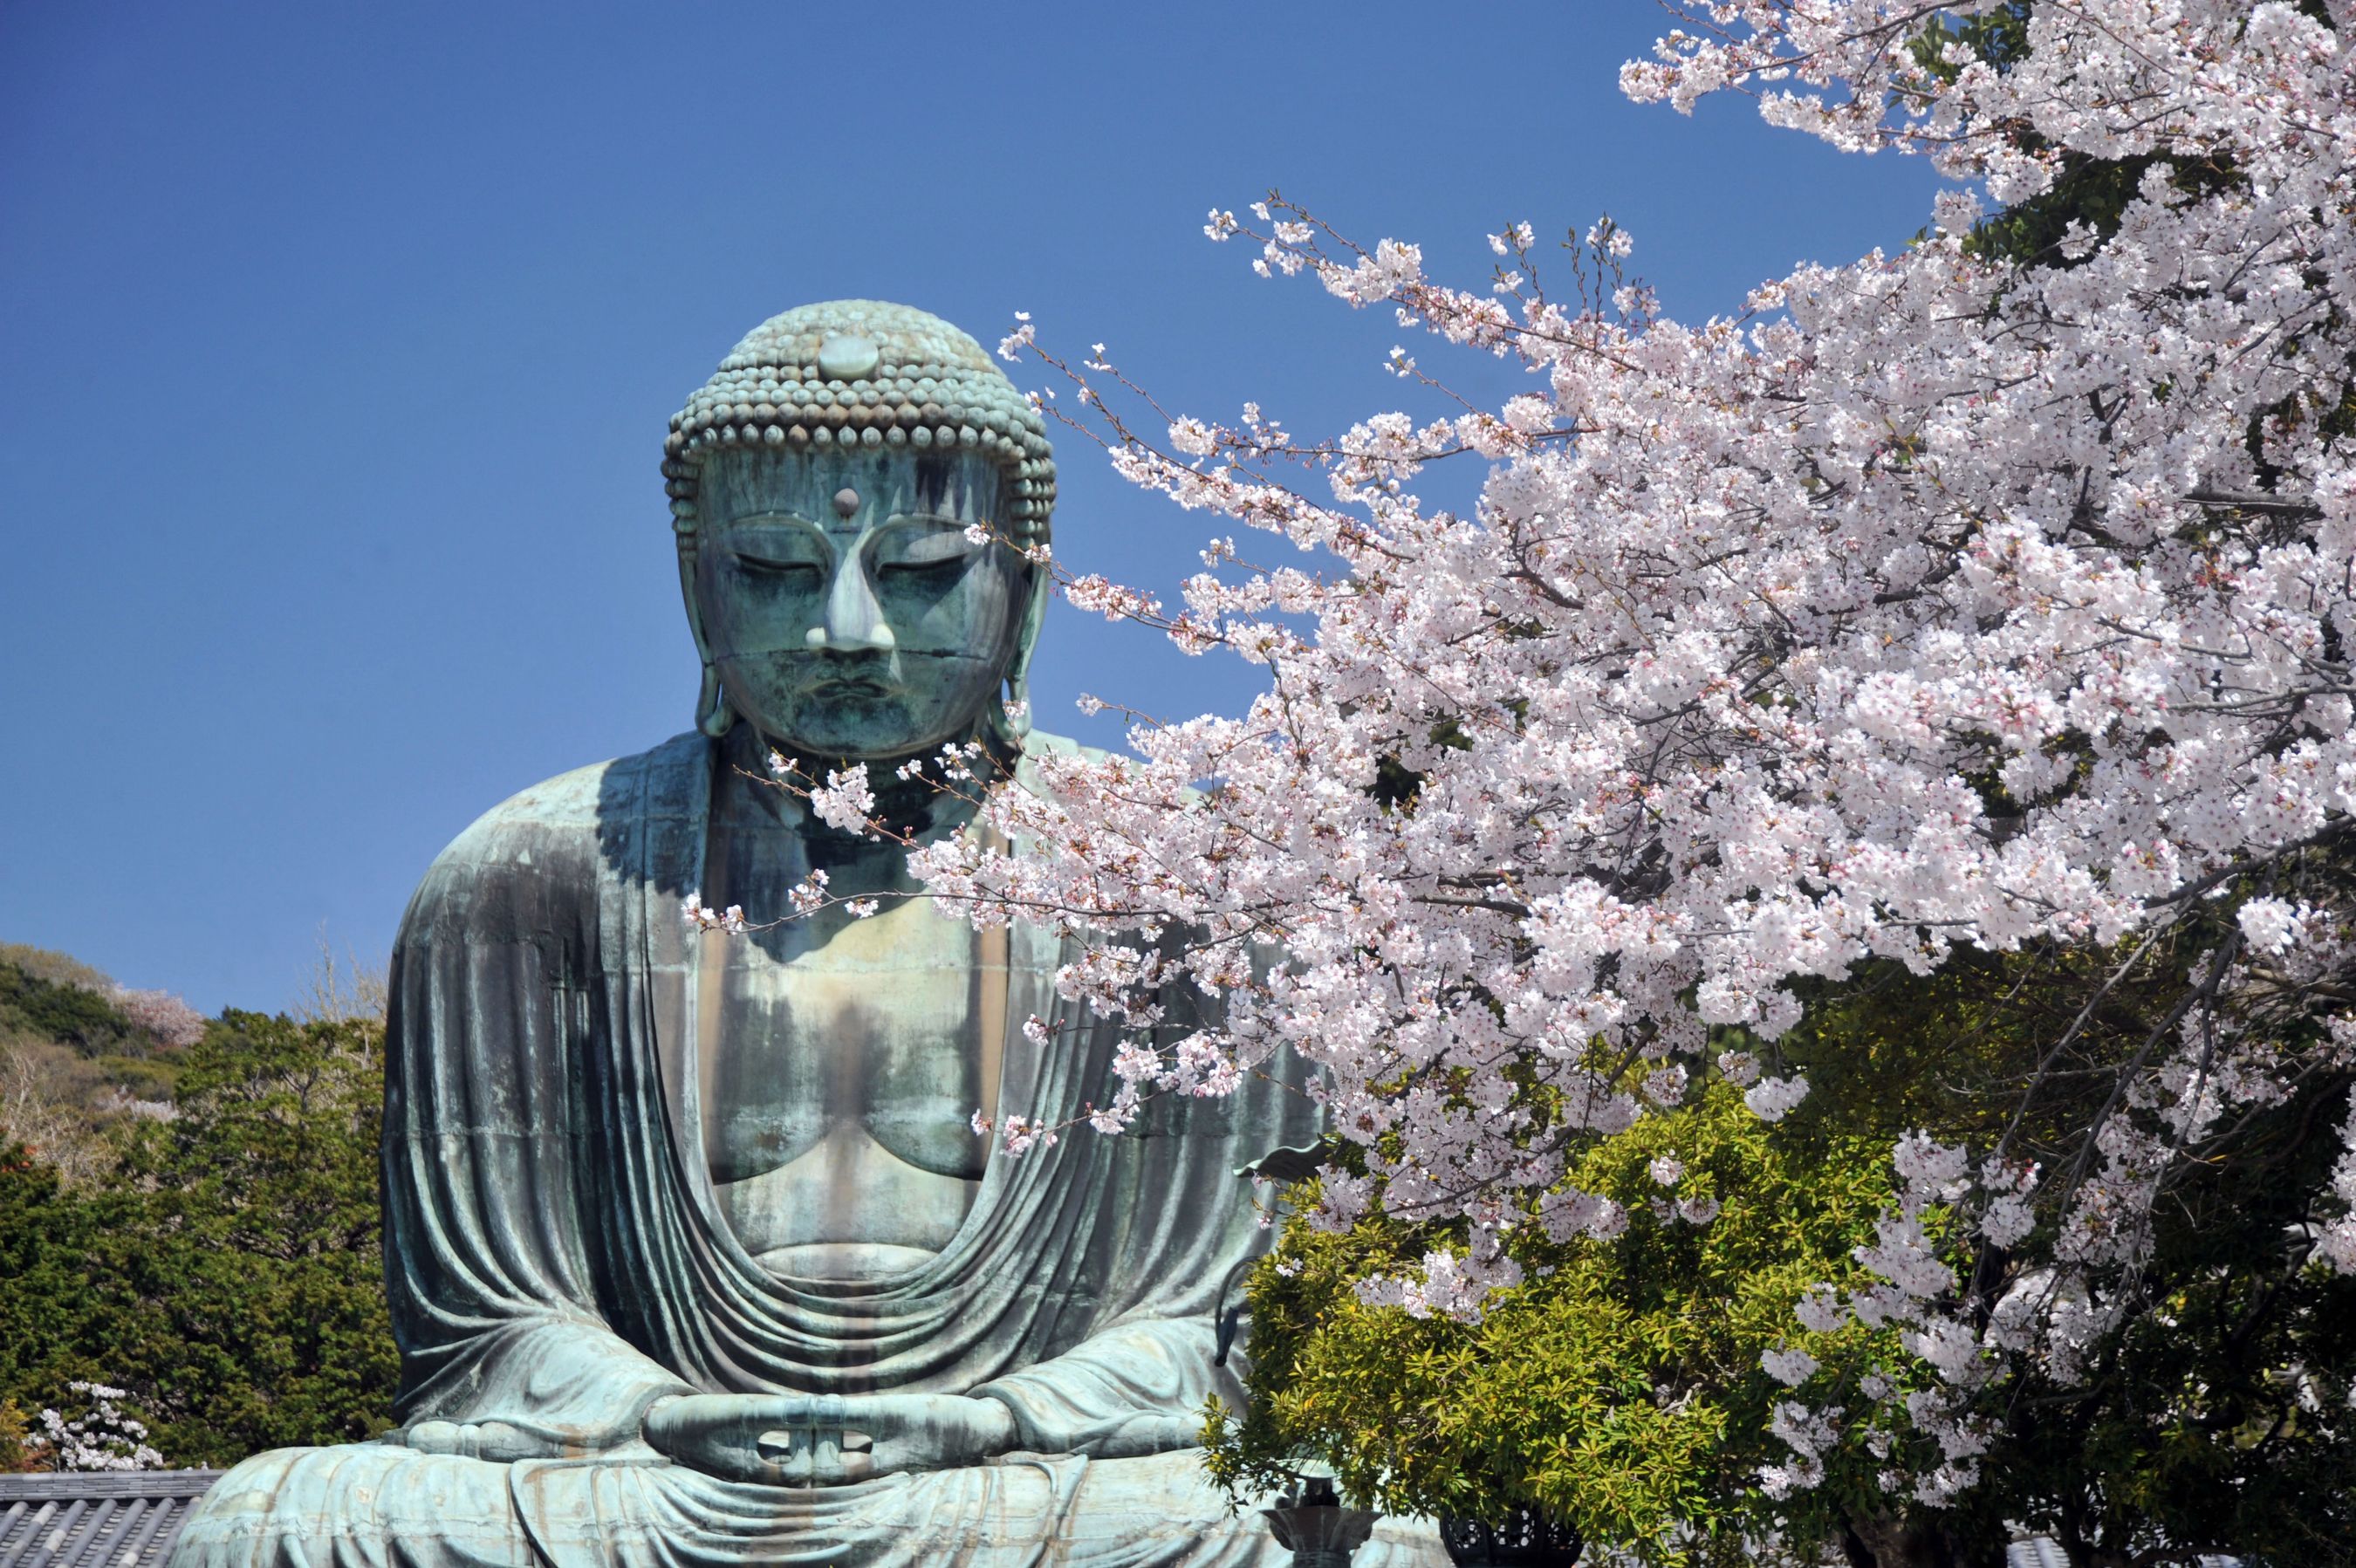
[922, 805]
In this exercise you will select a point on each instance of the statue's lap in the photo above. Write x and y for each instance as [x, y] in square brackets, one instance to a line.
[377, 1505]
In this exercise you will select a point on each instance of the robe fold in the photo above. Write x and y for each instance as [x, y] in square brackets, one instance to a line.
[557, 1260]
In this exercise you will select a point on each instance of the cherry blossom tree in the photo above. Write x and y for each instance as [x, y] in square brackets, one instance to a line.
[1987, 599]
[102, 1438]
[163, 1014]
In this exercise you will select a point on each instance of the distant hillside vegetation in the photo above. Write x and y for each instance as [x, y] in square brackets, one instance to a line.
[189, 1215]
[78, 1053]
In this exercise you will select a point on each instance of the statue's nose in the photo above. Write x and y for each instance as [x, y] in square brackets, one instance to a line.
[854, 622]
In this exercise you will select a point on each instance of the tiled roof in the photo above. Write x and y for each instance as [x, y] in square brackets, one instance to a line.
[108, 1519]
[2043, 1553]
[129, 1518]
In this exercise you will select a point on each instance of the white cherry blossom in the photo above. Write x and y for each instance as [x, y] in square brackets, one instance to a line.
[1929, 602]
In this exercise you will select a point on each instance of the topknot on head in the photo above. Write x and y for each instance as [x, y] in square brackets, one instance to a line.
[848, 374]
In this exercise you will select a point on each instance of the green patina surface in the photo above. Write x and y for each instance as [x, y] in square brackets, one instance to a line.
[694, 1255]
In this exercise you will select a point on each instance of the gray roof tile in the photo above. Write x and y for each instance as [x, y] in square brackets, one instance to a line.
[112, 1518]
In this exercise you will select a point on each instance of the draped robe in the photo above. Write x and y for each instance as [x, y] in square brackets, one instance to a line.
[557, 1260]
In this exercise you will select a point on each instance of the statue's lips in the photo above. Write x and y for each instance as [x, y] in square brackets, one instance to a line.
[855, 688]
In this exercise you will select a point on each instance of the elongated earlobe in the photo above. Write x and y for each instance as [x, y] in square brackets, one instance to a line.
[1012, 722]
[1018, 703]
[712, 713]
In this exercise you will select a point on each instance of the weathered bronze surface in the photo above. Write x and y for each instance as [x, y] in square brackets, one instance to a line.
[695, 1258]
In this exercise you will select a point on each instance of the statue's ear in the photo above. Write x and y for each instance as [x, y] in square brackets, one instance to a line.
[1035, 614]
[1018, 668]
[712, 714]
[687, 544]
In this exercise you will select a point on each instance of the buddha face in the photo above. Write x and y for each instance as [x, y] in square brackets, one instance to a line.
[847, 611]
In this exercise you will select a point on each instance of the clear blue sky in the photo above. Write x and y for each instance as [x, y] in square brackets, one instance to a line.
[337, 342]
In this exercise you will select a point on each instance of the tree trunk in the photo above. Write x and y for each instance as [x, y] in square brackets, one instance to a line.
[1885, 1543]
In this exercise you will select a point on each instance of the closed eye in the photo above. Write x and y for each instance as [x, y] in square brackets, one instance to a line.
[920, 549]
[756, 564]
[944, 567]
[777, 567]
[779, 547]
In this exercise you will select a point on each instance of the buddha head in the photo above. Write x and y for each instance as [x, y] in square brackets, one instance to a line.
[853, 491]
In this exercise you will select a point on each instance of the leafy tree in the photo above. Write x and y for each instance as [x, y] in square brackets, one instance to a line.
[60, 969]
[2207, 1410]
[1625, 1386]
[1617, 1389]
[1897, 674]
[17, 1450]
[62, 1011]
[229, 1274]
[47, 1233]
[255, 1278]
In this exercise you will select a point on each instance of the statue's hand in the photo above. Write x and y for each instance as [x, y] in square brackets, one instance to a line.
[475, 1440]
[825, 1440]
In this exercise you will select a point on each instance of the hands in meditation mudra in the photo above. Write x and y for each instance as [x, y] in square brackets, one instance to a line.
[695, 1257]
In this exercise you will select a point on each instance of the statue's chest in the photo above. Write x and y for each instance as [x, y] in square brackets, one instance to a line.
[873, 1030]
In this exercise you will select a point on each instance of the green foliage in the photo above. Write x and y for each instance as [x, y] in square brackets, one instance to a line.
[17, 1450]
[2215, 1415]
[66, 1012]
[45, 1237]
[228, 1272]
[77, 1059]
[2094, 193]
[59, 969]
[1618, 1389]
[2090, 192]
[1395, 785]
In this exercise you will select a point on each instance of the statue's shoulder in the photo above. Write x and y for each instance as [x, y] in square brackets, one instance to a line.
[588, 799]
[1039, 744]
[545, 842]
